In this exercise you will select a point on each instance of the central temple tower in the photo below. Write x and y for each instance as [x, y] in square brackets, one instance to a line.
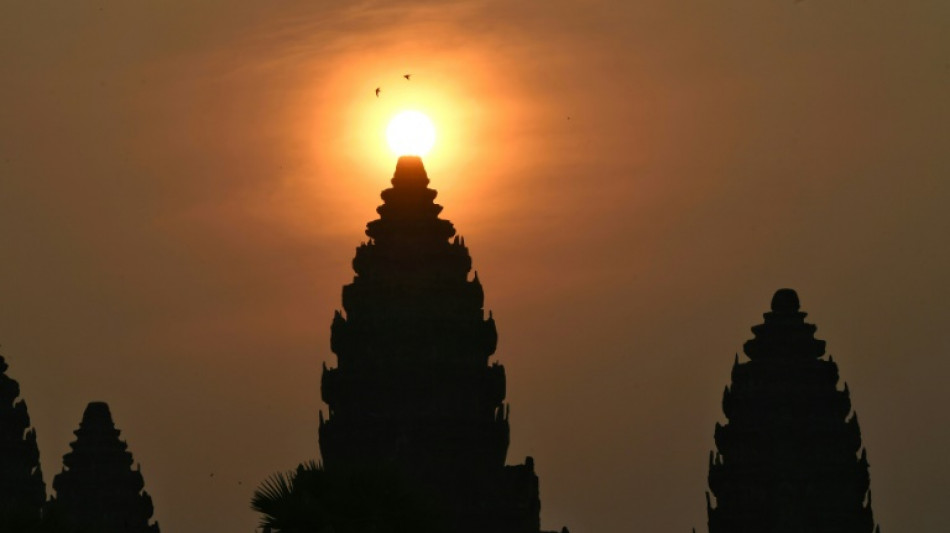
[413, 391]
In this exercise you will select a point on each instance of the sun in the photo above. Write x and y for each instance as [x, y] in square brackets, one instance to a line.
[410, 133]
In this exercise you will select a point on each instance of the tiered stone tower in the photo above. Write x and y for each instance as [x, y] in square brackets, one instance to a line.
[22, 491]
[413, 391]
[98, 490]
[788, 457]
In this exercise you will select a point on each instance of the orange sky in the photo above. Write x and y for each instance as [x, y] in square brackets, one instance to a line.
[183, 185]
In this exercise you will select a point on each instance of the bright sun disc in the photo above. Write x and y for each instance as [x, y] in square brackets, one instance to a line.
[410, 133]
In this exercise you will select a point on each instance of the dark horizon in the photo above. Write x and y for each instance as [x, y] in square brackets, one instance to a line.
[182, 188]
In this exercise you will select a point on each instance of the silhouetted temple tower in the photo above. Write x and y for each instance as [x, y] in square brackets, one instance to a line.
[413, 390]
[788, 459]
[98, 490]
[22, 491]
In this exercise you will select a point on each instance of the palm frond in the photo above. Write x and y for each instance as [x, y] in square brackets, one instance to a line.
[289, 501]
[310, 499]
[278, 487]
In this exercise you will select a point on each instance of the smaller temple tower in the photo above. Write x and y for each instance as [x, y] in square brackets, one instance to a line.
[98, 490]
[22, 491]
[789, 459]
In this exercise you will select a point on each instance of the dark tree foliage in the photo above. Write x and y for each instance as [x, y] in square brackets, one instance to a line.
[98, 490]
[413, 395]
[352, 500]
[22, 491]
[789, 459]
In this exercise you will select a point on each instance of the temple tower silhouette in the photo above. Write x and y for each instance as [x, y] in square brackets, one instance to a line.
[98, 490]
[22, 491]
[413, 391]
[788, 459]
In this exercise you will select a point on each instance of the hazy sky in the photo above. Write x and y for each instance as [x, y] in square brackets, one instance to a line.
[183, 185]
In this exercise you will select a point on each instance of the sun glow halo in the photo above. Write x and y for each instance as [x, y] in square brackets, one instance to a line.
[410, 133]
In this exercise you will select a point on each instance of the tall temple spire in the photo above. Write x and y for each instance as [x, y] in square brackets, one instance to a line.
[413, 385]
[22, 491]
[413, 395]
[98, 490]
[790, 457]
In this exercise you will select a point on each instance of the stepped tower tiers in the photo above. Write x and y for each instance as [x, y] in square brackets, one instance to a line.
[413, 390]
[22, 491]
[98, 490]
[790, 457]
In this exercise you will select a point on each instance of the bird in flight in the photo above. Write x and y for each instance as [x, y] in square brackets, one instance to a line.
[406, 76]
[377, 92]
